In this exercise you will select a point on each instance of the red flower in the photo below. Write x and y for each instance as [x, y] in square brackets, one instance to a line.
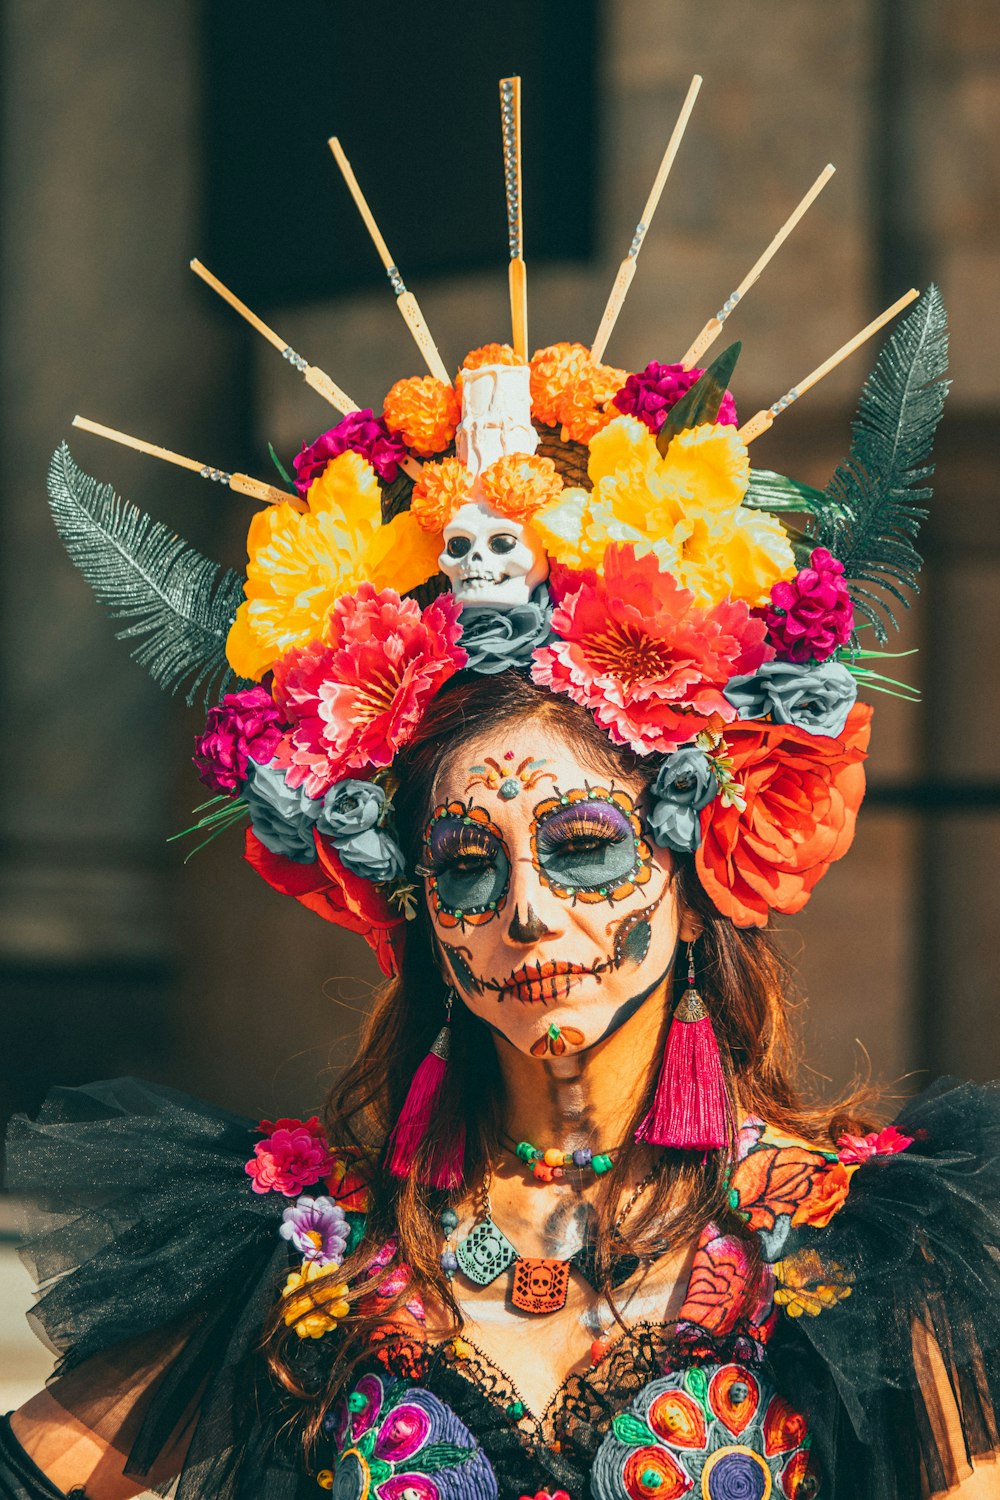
[292, 1157]
[802, 795]
[360, 431]
[812, 614]
[640, 653]
[853, 1149]
[329, 888]
[355, 699]
[827, 1197]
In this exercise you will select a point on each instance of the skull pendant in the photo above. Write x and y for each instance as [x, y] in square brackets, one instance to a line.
[484, 1253]
[490, 559]
[540, 1286]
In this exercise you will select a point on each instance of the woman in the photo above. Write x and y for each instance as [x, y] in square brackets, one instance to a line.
[569, 1229]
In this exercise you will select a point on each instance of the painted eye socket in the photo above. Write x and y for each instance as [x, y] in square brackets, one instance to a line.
[458, 546]
[468, 864]
[503, 543]
[587, 846]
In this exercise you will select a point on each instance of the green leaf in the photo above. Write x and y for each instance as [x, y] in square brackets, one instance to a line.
[180, 604]
[702, 401]
[281, 469]
[437, 1456]
[776, 492]
[881, 485]
[629, 1429]
[696, 1385]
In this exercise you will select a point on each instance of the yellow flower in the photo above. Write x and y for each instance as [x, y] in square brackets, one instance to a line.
[686, 508]
[319, 1307]
[808, 1284]
[300, 562]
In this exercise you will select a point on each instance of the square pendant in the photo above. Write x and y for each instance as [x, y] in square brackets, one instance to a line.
[485, 1253]
[540, 1286]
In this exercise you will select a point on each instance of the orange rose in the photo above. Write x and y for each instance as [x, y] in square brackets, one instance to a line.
[829, 1193]
[802, 795]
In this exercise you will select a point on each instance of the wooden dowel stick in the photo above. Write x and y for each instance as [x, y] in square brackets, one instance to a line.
[243, 484]
[762, 420]
[313, 376]
[626, 270]
[713, 327]
[406, 302]
[517, 276]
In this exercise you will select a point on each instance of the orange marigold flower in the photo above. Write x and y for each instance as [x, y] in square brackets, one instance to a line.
[569, 389]
[520, 484]
[553, 371]
[425, 413]
[490, 354]
[438, 493]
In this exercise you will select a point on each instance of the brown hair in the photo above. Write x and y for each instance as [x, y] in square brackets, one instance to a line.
[742, 976]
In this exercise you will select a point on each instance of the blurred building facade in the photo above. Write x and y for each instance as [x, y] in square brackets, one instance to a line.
[114, 957]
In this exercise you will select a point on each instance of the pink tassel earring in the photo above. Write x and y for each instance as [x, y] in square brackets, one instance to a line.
[691, 1107]
[419, 1110]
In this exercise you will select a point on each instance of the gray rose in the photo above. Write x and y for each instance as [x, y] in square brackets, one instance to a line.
[373, 854]
[281, 816]
[500, 638]
[810, 696]
[684, 784]
[349, 808]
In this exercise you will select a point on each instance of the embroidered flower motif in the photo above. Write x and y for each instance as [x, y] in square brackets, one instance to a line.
[316, 1302]
[802, 795]
[347, 1185]
[827, 1196]
[520, 484]
[399, 1442]
[299, 564]
[244, 727]
[651, 393]
[810, 615]
[636, 650]
[294, 1154]
[424, 412]
[807, 1284]
[718, 1283]
[773, 1181]
[860, 1148]
[318, 1229]
[361, 432]
[357, 697]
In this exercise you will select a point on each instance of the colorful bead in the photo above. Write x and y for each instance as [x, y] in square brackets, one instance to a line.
[583, 1156]
[543, 1172]
[449, 1220]
[553, 1158]
[598, 1350]
[449, 1262]
[602, 1164]
[325, 1479]
[357, 1402]
[515, 1410]
[526, 1152]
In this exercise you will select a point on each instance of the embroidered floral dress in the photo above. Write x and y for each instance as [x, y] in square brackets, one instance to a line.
[792, 1369]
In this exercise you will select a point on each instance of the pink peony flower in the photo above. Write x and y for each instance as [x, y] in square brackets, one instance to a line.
[640, 653]
[854, 1149]
[810, 616]
[356, 698]
[650, 394]
[363, 433]
[293, 1156]
[245, 726]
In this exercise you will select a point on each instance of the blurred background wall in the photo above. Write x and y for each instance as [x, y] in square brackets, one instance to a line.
[136, 136]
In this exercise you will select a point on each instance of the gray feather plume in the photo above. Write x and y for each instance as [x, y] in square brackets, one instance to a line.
[180, 604]
[880, 487]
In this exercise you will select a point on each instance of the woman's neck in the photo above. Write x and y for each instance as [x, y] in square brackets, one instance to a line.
[586, 1099]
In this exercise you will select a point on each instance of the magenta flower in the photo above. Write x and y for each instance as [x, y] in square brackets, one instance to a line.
[245, 726]
[293, 1156]
[853, 1149]
[810, 616]
[360, 431]
[650, 394]
[318, 1229]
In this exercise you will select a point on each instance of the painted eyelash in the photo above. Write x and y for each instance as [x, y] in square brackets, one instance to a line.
[582, 826]
[459, 843]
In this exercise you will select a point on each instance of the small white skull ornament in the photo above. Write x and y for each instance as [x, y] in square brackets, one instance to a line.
[490, 559]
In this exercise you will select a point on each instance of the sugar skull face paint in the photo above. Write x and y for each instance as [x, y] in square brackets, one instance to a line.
[557, 912]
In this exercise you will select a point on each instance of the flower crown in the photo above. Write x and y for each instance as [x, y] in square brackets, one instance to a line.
[600, 530]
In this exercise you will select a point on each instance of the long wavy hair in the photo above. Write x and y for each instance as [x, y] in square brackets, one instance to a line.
[742, 976]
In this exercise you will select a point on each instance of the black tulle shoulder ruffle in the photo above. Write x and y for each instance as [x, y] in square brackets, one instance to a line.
[157, 1267]
[899, 1327]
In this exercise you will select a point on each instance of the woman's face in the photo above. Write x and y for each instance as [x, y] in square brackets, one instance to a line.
[555, 915]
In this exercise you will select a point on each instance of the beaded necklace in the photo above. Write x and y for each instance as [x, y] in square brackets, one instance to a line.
[548, 1165]
[540, 1284]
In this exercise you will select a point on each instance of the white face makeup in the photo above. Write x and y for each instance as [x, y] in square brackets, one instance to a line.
[554, 915]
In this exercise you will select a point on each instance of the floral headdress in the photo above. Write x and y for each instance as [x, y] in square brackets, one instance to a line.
[600, 530]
